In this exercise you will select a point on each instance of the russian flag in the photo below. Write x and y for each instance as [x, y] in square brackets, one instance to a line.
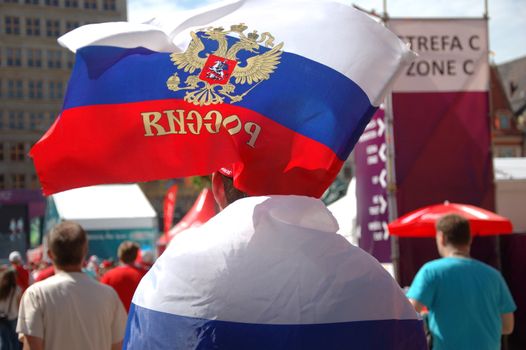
[270, 273]
[279, 91]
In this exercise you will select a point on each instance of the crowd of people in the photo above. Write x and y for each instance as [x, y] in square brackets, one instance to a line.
[69, 300]
[74, 301]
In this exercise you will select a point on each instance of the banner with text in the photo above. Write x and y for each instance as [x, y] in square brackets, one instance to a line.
[371, 195]
[441, 122]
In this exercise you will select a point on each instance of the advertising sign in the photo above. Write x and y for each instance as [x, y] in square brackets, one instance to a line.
[371, 183]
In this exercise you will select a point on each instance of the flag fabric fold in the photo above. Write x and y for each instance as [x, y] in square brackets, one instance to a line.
[270, 273]
[279, 91]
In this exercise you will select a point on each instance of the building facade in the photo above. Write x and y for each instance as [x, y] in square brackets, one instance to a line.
[34, 71]
[507, 136]
[513, 77]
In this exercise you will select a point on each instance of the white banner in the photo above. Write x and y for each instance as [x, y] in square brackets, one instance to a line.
[453, 54]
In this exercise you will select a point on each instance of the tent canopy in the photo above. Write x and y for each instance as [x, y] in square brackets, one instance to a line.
[106, 207]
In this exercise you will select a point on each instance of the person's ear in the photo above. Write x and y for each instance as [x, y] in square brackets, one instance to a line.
[441, 238]
[218, 190]
[50, 255]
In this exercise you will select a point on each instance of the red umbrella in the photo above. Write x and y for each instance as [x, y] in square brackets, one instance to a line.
[421, 222]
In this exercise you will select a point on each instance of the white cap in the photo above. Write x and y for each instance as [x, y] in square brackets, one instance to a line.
[15, 256]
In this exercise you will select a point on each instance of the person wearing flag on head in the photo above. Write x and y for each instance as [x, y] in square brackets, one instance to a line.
[298, 82]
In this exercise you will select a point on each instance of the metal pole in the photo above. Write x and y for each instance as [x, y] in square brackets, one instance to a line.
[391, 173]
[485, 8]
[385, 8]
[391, 182]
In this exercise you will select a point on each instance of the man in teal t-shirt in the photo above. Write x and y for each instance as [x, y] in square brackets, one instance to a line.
[469, 303]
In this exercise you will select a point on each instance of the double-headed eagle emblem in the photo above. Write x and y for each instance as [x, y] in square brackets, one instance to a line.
[217, 70]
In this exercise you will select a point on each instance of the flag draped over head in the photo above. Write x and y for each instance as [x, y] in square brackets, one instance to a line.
[270, 273]
[277, 90]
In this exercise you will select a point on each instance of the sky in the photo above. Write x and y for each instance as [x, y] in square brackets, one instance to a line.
[507, 23]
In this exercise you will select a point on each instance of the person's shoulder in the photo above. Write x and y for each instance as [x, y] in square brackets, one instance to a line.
[488, 269]
[41, 287]
[436, 264]
[109, 274]
[101, 289]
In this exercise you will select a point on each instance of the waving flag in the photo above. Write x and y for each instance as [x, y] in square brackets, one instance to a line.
[270, 273]
[279, 91]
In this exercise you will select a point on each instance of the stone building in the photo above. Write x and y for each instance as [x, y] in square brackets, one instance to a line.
[513, 77]
[507, 136]
[34, 71]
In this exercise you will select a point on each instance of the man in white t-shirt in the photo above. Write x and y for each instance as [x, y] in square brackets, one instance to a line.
[70, 310]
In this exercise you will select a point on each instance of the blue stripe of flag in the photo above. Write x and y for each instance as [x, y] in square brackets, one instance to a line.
[148, 329]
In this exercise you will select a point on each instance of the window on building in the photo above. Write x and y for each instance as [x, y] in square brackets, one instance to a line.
[36, 120]
[51, 2]
[53, 116]
[2, 157]
[16, 120]
[35, 184]
[18, 180]
[71, 3]
[33, 121]
[15, 88]
[14, 56]
[54, 59]
[11, 1]
[2, 125]
[508, 151]
[90, 4]
[109, 5]
[71, 59]
[504, 122]
[32, 2]
[56, 90]
[12, 120]
[18, 152]
[41, 120]
[2, 182]
[12, 25]
[34, 58]
[35, 89]
[70, 25]
[33, 26]
[52, 28]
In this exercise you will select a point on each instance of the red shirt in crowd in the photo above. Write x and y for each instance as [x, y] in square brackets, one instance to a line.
[22, 276]
[45, 273]
[124, 279]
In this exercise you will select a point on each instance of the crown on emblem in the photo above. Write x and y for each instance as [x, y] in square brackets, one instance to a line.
[254, 36]
[220, 75]
[239, 28]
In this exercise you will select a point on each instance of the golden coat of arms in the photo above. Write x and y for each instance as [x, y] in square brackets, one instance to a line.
[217, 70]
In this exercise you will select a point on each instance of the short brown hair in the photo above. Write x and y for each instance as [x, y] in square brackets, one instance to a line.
[67, 242]
[232, 194]
[127, 252]
[455, 229]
